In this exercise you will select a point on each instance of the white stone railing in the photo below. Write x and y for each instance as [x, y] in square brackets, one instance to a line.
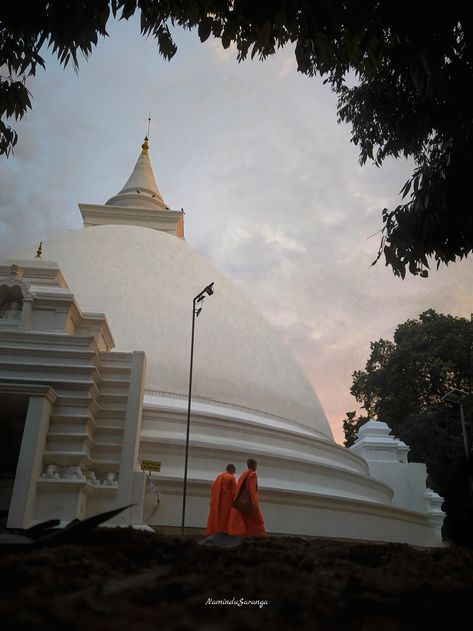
[230, 406]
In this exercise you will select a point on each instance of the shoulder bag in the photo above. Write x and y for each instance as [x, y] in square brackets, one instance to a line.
[242, 502]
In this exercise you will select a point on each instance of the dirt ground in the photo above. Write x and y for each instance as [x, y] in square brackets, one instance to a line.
[127, 580]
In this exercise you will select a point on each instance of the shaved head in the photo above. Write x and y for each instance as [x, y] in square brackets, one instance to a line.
[231, 468]
[251, 464]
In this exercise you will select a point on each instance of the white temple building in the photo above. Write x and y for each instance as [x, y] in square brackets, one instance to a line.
[94, 376]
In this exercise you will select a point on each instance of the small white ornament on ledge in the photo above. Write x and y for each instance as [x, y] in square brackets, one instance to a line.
[92, 478]
[110, 479]
[73, 473]
[51, 473]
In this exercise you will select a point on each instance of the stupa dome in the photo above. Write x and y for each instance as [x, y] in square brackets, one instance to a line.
[96, 419]
[145, 280]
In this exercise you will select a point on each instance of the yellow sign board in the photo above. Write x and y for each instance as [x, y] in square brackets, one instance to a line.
[150, 465]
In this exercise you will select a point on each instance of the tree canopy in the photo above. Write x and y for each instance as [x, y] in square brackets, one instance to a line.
[403, 384]
[412, 64]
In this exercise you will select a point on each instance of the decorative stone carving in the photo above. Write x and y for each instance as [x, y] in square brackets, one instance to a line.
[15, 271]
[92, 478]
[11, 311]
[15, 300]
[73, 473]
[51, 472]
[110, 479]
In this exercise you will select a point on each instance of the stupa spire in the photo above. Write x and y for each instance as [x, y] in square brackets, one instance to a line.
[145, 145]
[139, 203]
[141, 189]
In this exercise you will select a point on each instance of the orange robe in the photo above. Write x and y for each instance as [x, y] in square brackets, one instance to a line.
[222, 494]
[251, 525]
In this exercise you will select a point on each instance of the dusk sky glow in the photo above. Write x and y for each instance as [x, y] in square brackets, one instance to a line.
[271, 186]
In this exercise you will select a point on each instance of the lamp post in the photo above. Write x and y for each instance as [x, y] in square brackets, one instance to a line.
[197, 304]
[456, 396]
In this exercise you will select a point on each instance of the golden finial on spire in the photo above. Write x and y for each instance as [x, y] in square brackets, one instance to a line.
[145, 145]
[39, 251]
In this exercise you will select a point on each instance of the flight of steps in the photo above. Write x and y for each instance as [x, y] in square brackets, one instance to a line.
[87, 421]
[115, 371]
[68, 365]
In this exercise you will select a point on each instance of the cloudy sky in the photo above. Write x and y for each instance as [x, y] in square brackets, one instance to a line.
[273, 192]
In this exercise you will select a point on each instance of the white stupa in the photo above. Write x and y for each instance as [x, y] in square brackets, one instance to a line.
[91, 414]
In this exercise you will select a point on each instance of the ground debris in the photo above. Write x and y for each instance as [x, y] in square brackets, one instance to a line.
[124, 579]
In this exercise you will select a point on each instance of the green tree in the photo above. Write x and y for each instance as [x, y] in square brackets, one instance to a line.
[412, 65]
[351, 424]
[403, 384]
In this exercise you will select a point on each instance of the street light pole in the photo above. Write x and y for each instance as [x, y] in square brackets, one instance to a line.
[196, 309]
[456, 396]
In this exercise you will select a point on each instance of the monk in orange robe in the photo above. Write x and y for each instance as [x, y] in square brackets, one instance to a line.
[222, 494]
[252, 524]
